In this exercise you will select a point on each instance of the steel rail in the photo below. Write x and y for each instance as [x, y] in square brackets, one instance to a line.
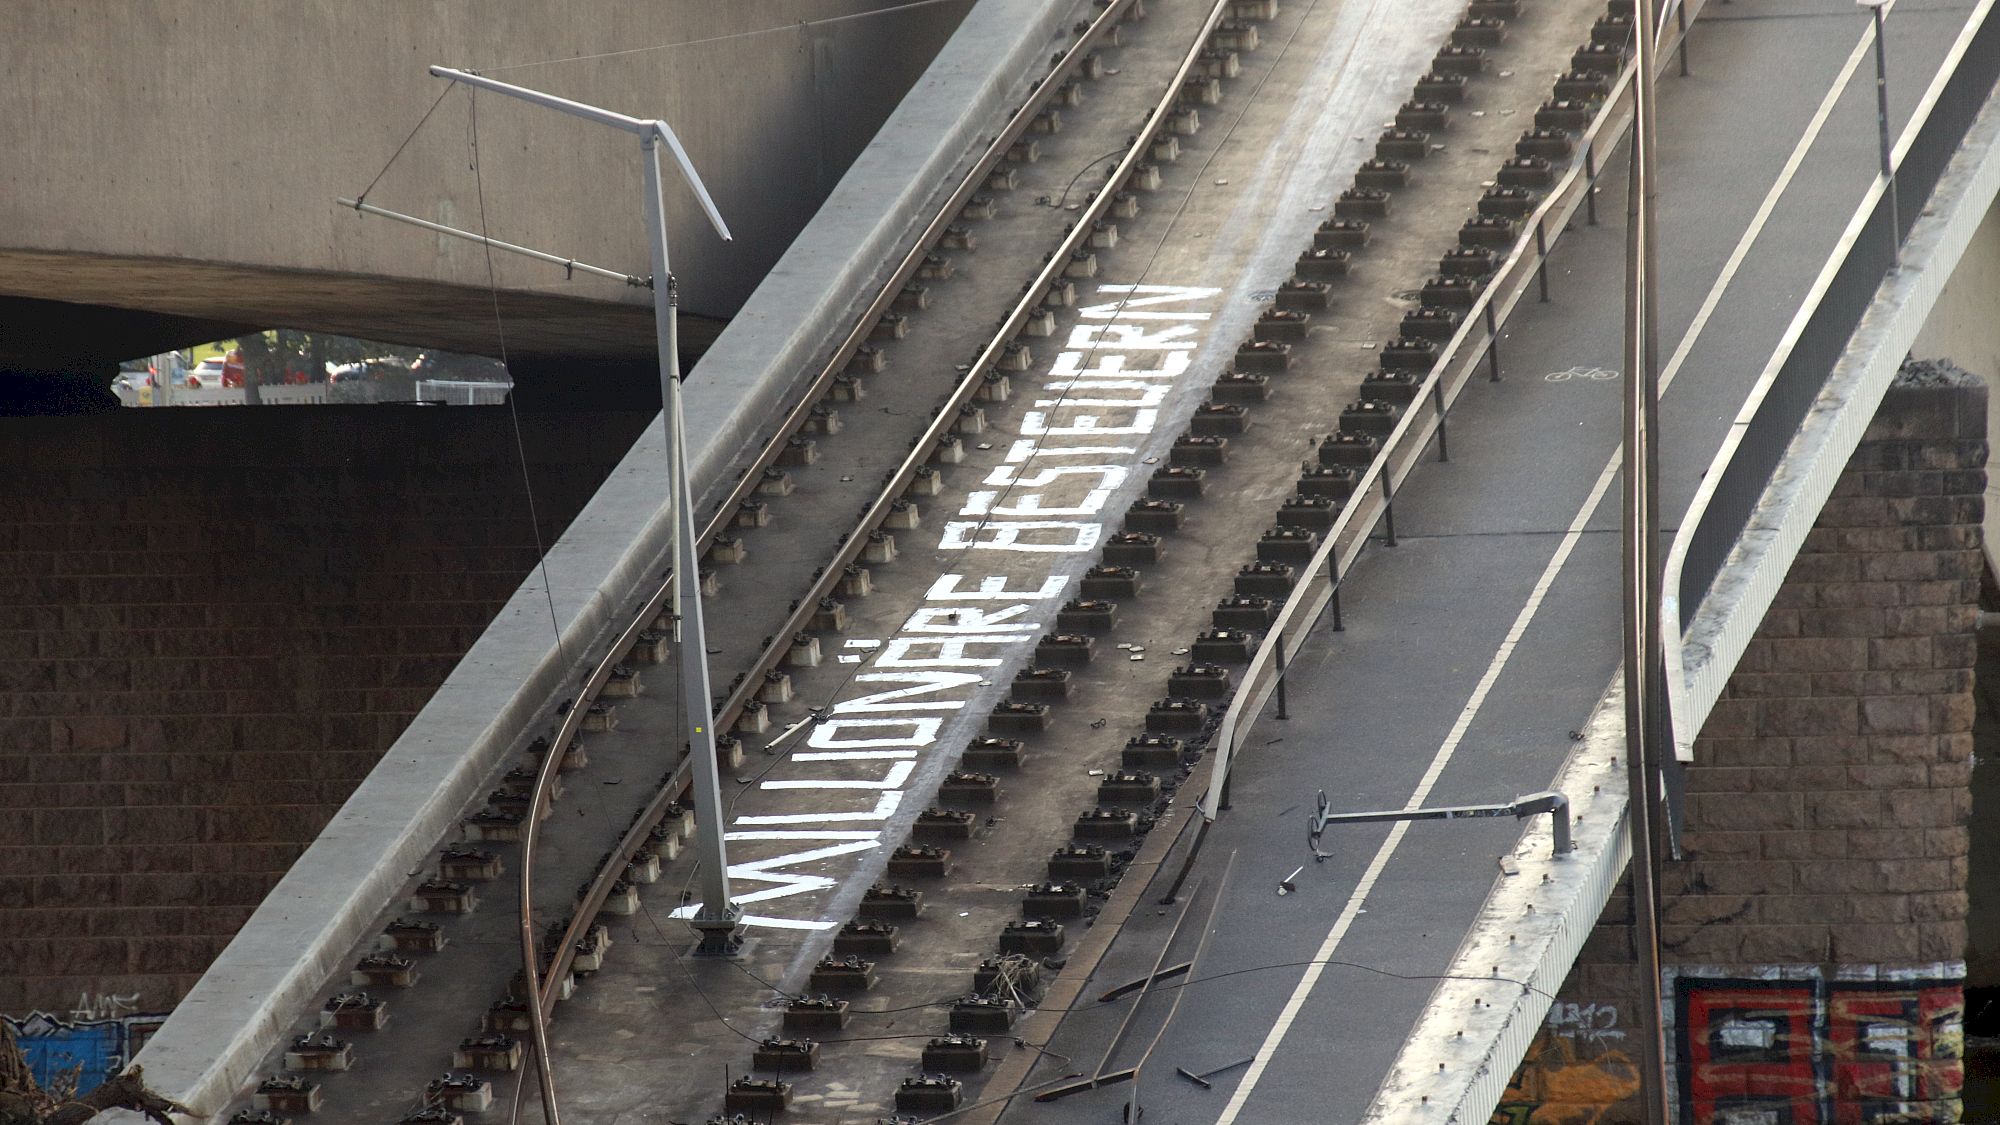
[1010, 327]
[599, 889]
[1373, 494]
[1017, 126]
[1103, 1076]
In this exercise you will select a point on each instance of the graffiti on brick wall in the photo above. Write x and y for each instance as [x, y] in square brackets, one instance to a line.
[104, 1005]
[93, 1044]
[1593, 1024]
[1576, 1072]
[1783, 1045]
[1797, 1048]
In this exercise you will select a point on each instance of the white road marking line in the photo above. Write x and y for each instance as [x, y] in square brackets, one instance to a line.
[1756, 227]
[876, 732]
[1269, 1048]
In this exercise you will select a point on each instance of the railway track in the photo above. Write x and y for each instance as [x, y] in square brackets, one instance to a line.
[790, 481]
[868, 667]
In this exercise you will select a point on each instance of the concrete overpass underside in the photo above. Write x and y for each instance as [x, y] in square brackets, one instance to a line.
[175, 172]
[56, 356]
[117, 308]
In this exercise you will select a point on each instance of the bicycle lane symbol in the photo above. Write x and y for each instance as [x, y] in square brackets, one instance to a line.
[1583, 374]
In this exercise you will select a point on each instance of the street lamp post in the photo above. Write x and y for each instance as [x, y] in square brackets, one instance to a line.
[1879, 10]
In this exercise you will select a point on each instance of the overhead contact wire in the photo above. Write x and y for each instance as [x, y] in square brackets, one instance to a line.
[795, 26]
[530, 970]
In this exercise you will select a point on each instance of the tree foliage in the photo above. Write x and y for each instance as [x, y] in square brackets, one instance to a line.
[269, 356]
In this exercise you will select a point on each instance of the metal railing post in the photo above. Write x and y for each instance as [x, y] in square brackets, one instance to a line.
[1492, 343]
[1681, 20]
[1541, 259]
[1389, 504]
[1437, 401]
[1875, 8]
[1279, 639]
[1187, 865]
[1590, 182]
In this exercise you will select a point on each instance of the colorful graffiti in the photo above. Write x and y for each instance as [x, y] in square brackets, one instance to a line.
[91, 1049]
[1570, 1077]
[1805, 1050]
[1774, 1045]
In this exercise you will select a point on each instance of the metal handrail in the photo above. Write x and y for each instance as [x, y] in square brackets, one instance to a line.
[600, 886]
[1797, 371]
[1373, 494]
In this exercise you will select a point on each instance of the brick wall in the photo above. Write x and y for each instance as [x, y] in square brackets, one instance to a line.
[1814, 937]
[212, 622]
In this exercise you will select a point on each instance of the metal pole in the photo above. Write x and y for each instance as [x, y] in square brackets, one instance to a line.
[1437, 403]
[165, 371]
[569, 265]
[1637, 541]
[649, 132]
[1681, 24]
[718, 917]
[1339, 626]
[1541, 259]
[1389, 505]
[1659, 734]
[1492, 343]
[1552, 802]
[1279, 639]
[1882, 132]
[637, 126]
[1590, 182]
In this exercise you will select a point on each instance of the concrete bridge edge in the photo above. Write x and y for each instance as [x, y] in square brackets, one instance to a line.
[1501, 983]
[255, 990]
[1723, 624]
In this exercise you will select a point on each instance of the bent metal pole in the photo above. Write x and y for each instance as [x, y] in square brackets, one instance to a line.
[1639, 538]
[717, 918]
[708, 799]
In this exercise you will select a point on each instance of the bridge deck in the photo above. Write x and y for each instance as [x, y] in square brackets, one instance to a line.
[1435, 693]
[1424, 620]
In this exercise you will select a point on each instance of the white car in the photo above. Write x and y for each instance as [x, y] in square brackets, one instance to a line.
[207, 373]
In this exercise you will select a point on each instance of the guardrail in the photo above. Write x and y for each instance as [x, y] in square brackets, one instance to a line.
[1761, 435]
[1805, 357]
[1373, 499]
[895, 485]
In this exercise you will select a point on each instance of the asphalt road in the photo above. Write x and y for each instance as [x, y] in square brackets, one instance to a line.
[1370, 706]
